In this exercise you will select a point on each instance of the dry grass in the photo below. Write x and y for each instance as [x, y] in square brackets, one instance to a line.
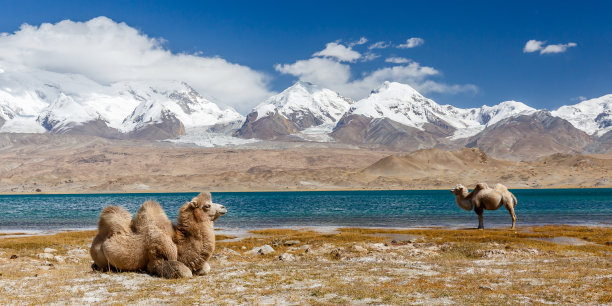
[350, 266]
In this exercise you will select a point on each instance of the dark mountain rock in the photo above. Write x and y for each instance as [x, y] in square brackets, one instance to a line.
[270, 127]
[170, 127]
[530, 136]
[358, 129]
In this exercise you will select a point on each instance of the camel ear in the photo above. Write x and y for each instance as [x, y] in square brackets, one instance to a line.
[194, 204]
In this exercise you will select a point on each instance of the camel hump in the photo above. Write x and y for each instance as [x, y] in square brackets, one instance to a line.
[113, 220]
[481, 186]
[500, 187]
[151, 213]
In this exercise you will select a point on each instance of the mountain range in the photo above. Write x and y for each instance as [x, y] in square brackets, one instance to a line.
[393, 116]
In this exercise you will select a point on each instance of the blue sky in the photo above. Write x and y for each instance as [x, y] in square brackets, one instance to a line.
[475, 48]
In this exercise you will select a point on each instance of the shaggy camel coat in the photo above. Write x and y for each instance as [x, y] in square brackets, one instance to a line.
[194, 234]
[142, 244]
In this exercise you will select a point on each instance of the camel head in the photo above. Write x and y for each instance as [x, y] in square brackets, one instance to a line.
[212, 210]
[459, 189]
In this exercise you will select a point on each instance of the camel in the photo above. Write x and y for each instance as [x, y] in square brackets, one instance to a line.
[140, 244]
[146, 243]
[194, 235]
[483, 197]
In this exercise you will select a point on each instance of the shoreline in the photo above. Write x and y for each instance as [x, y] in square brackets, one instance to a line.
[565, 187]
[247, 232]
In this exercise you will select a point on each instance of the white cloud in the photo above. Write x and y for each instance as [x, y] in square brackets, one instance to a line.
[339, 51]
[369, 56]
[361, 41]
[320, 71]
[107, 51]
[398, 60]
[337, 76]
[533, 46]
[558, 48]
[537, 45]
[411, 43]
[379, 45]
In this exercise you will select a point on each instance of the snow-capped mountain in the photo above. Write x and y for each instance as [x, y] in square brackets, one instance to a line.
[593, 116]
[40, 101]
[297, 108]
[403, 104]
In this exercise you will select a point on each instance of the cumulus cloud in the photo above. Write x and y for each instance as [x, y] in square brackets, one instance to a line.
[412, 42]
[379, 45]
[398, 60]
[558, 48]
[533, 46]
[537, 45]
[361, 41]
[338, 76]
[339, 52]
[107, 52]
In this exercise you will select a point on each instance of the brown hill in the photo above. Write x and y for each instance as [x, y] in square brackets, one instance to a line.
[436, 160]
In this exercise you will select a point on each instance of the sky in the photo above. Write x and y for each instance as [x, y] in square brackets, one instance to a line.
[237, 53]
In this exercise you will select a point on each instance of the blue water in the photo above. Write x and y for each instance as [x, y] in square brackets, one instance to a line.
[414, 208]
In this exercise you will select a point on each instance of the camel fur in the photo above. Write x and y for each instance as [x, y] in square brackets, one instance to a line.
[150, 242]
[194, 234]
[483, 197]
[140, 244]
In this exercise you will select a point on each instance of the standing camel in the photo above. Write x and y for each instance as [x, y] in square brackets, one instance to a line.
[483, 197]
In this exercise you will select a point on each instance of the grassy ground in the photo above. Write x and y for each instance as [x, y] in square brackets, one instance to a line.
[534, 265]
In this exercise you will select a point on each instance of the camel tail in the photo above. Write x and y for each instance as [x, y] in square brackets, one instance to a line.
[515, 200]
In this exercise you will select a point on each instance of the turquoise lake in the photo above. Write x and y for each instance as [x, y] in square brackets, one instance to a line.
[246, 210]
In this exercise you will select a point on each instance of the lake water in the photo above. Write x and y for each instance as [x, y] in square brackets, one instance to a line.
[247, 210]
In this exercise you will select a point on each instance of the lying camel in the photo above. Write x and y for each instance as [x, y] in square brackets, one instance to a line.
[144, 243]
[483, 197]
[140, 244]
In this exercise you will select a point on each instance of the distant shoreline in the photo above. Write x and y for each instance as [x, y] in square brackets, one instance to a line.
[283, 190]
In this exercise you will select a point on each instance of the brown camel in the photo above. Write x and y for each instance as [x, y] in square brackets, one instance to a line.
[140, 244]
[147, 242]
[483, 197]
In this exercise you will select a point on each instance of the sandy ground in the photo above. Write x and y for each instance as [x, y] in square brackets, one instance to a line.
[538, 265]
[60, 164]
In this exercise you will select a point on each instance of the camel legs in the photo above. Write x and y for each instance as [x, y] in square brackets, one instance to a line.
[479, 210]
[204, 270]
[508, 203]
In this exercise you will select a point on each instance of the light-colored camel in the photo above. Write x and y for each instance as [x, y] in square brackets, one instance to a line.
[150, 242]
[483, 197]
[194, 234]
[140, 244]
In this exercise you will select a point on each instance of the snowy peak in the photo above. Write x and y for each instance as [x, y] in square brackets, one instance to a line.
[403, 104]
[302, 110]
[37, 101]
[177, 99]
[304, 99]
[64, 113]
[489, 115]
[593, 116]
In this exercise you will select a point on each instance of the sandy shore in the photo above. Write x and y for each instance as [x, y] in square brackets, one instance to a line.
[534, 265]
